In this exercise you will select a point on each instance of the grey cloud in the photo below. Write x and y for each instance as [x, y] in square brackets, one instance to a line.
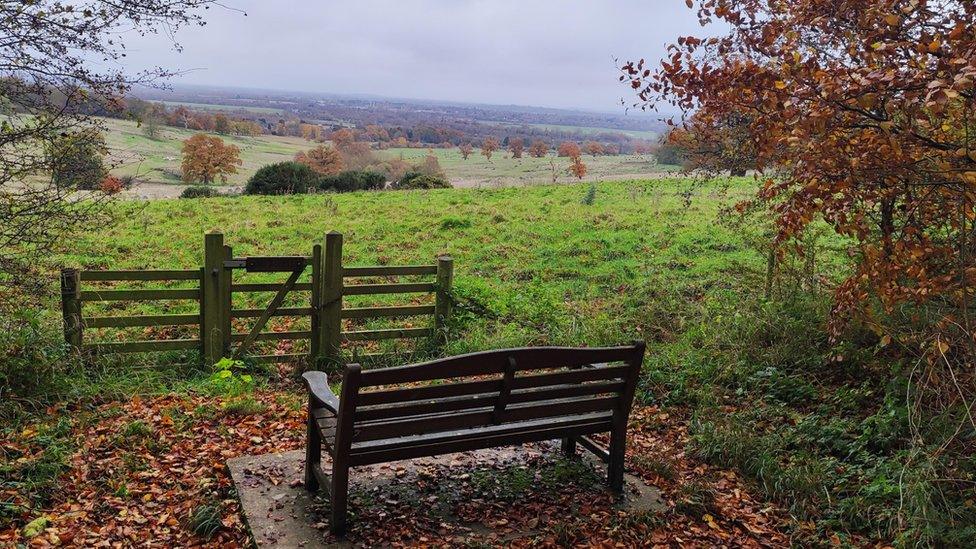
[546, 52]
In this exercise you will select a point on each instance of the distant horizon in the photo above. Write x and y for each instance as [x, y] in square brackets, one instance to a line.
[175, 87]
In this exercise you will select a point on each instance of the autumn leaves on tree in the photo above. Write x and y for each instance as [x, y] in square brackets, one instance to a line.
[207, 158]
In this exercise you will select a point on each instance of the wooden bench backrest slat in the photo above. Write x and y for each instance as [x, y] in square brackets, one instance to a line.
[495, 362]
[485, 399]
[481, 418]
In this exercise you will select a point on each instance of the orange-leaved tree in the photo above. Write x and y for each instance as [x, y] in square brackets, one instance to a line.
[322, 159]
[465, 149]
[489, 146]
[538, 149]
[859, 113]
[577, 167]
[516, 145]
[569, 149]
[207, 158]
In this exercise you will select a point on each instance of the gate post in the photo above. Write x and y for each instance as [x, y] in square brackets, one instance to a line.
[226, 302]
[330, 301]
[315, 344]
[442, 301]
[71, 307]
[211, 300]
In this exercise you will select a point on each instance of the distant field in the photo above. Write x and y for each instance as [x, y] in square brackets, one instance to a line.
[157, 161]
[587, 130]
[503, 170]
[215, 107]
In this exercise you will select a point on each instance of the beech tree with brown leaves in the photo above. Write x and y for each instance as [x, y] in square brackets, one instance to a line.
[322, 159]
[488, 146]
[577, 167]
[466, 150]
[516, 145]
[207, 158]
[594, 148]
[860, 114]
[569, 149]
[538, 149]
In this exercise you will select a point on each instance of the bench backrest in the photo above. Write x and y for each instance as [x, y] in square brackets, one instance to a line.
[492, 388]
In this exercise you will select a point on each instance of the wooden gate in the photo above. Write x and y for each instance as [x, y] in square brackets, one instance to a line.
[223, 328]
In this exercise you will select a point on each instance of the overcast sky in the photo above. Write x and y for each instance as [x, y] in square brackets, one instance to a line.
[556, 53]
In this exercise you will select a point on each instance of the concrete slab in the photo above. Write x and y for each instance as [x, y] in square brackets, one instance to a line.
[447, 493]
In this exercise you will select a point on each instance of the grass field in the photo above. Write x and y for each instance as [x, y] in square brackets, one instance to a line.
[735, 379]
[158, 160]
[225, 108]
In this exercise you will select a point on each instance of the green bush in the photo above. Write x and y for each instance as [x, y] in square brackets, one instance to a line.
[282, 178]
[352, 180]
[199, 191]
[418, 180]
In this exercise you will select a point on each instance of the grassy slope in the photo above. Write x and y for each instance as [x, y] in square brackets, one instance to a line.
[477, 171]
[158, 160]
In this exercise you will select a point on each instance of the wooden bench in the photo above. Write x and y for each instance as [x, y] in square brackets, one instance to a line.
[468, 402]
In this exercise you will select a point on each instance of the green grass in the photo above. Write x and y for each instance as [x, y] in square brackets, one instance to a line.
[216, 107]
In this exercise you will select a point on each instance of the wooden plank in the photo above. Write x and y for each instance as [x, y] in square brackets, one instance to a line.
[273, 336]
[494, 362]
[474, 442]
[315, 345]
[376, 289]
[281, 311]
[142, 320]
[393, 333]
[571, 376]
[479, 399]
[269, 287]
[594, 448]
[481, 418]
[292, 357]
[139, 295]
[377, 312]
[143, 346]
[388, 270]
[115, 276]
[392, 396]
[211, 301]
[275, 264]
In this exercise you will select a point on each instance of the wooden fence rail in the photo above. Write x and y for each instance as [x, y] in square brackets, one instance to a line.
[215, 289]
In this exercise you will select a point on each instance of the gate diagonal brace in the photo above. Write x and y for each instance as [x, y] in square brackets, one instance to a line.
[272, 307]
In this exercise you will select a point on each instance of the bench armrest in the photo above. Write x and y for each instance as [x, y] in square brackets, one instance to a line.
[318, 388]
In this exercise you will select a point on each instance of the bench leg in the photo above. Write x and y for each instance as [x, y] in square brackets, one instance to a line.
[615, 465]
[313, 454]
[569, 447]
[340, 492]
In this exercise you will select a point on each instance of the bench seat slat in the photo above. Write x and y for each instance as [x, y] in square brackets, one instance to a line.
[481, 418]
[462, 441]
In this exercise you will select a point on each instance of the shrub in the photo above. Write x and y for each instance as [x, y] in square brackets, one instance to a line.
[282, 178]
[111, 185]
[352, 180]
[417, 180]
[199, 191]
